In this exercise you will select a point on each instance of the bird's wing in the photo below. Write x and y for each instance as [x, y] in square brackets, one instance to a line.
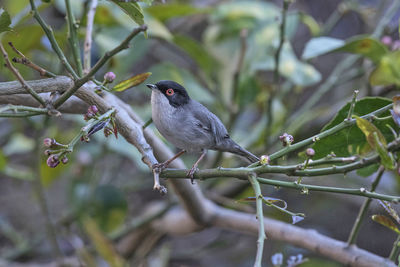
[209, 122]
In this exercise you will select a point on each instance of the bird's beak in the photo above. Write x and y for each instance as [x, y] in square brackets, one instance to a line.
[152, 86]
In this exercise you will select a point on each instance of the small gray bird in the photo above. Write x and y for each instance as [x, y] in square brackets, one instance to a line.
[189, 125]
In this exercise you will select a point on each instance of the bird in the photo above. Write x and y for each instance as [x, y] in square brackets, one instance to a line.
[189, 125]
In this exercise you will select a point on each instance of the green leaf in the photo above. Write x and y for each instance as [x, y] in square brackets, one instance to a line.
[321, 45]
[387, 158]
[35, 33]
[165, 12]
[369, 131]
[133, 9]
[102, 245]
[392, 212]
[202, 57]
[388, 70]
[367, 171]
[5, 21]
[386, 221]
[351, 140]
[366, 46]
[131, 82]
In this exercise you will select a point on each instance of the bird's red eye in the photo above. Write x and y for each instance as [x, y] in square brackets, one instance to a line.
[170, 91]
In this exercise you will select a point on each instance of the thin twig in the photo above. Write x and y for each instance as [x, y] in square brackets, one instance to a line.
[282, 30]
[260, 217]
[17, 108]
[25, 61]
[87, 48]
[20, 114]
[277, 77]
[73, 38]
[20, 78]
[78, 83]
[50, 35]
[363, 210]
[352, 105]
[395, 250]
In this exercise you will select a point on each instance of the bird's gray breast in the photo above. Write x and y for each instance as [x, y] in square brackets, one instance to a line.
[178, 125]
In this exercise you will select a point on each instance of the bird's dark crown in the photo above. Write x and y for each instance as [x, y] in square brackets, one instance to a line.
[179, 97]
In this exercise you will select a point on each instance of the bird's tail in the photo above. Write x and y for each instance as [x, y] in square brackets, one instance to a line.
[238, 150]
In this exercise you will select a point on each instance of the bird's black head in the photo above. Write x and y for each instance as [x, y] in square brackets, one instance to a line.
[175, 93]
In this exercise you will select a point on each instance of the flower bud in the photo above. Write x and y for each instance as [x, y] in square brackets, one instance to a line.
[52, 161]
[47, 152]
[264, 160]
[48, 142]
[108, 131]
[286, 139]
[109, 77]
[93, 109]
[310, 152]
[64, 160]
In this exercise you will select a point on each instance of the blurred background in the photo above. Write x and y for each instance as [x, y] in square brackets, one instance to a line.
[223, 52]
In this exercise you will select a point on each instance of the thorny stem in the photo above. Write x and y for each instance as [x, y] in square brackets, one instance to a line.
[260, 217]
[324, 134]
[363, 210]
[78, 83]
[88, 38]
[50, 35]
[73, 37]
[16, 73]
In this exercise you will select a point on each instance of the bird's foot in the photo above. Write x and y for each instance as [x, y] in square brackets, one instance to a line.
[159, 167]
[191, 173]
